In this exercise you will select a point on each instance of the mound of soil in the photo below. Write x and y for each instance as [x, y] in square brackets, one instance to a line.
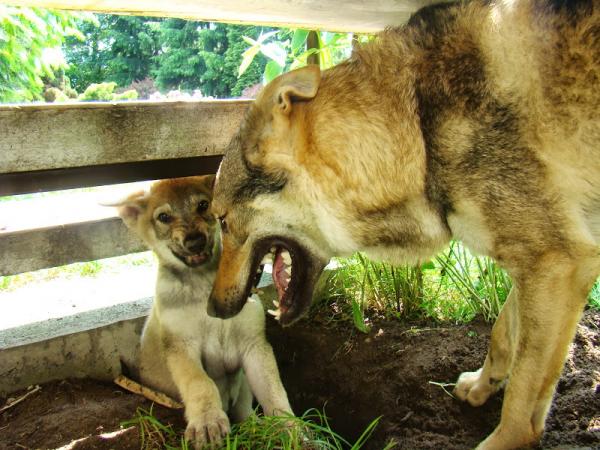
[398, 372]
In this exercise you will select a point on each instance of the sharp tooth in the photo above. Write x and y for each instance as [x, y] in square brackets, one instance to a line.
[286, 257]
[276, 303]
[267, 259]
[288, 271]
[274, 313]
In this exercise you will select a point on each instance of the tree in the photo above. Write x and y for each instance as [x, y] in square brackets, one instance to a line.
[120, 49]
[30, 40]
[205, 56]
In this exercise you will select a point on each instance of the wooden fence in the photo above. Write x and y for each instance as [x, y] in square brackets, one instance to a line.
[49, 147]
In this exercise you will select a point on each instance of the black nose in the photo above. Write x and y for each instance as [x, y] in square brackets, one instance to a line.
[195, 242]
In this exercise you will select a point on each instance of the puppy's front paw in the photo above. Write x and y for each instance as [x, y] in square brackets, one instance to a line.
[209, 427]
[471, 387]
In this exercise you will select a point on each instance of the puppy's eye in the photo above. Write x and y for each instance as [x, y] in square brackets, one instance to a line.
[202, 206]
[223, 224]
[164, 218]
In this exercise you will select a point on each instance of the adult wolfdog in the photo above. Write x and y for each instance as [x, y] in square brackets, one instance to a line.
[477, 121]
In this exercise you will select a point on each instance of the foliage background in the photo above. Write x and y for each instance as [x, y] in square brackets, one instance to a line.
[56, 55]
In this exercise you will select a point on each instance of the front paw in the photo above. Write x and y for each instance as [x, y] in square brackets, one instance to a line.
[473, 388]
[209, 427]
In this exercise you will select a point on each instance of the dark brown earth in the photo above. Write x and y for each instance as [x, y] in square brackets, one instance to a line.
[356, 377]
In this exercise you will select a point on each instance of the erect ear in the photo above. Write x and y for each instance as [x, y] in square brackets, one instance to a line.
[130, 208]
[300, 84]
[209, 182]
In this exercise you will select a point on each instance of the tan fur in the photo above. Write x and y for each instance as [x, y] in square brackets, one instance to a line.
[479, 121]
[213, 365]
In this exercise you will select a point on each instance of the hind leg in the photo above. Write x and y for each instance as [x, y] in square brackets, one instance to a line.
[477, 387]
[242, 408]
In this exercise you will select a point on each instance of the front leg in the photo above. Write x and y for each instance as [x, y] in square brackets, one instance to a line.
[550, 299]
[207, 422]
[263, 376]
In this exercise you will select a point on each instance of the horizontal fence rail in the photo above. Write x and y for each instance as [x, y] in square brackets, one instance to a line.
[361, 16]
[42, 137]
[50, 147]
[29, 250]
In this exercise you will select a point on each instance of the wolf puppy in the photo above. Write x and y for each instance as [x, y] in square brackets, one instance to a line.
[213, 365]
[476, 121]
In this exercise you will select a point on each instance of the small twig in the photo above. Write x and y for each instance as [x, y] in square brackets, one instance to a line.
[444, 386]
[420, 330]
[144, 391]
[406, 417]
[20, 399]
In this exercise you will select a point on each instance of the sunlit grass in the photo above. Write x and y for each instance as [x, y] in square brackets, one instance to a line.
[310, 431]
[454, 286]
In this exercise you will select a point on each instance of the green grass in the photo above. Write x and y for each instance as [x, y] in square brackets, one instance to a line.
[309, 431]
[455, 286]
[594, 297]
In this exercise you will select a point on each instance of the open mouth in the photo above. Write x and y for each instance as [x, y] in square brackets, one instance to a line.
[193, 260]
[295, 272]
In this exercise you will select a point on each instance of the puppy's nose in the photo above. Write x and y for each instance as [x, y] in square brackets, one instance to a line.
[195, 242]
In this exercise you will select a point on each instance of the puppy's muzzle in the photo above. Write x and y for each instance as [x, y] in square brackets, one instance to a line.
[195, 242]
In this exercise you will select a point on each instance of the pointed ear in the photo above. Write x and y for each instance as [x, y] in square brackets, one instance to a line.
[130, 208]
[209, 181]
[300, 84]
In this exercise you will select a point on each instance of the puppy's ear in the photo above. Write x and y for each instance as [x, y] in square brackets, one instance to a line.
[209, 182]
[300, 84]
[130, 208]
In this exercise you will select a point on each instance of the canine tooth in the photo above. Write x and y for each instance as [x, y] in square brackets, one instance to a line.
[288, 271]
[267, 259]
[286, 257]
[276, 303]
[274, 313]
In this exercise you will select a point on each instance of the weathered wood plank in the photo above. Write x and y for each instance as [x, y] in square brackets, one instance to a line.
[363, 16]
[28, 250]
[42, 137]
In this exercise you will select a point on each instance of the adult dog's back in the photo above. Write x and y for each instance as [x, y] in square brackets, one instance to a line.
[477, 121]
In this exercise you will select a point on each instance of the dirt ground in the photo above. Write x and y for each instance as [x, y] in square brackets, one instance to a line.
[357, 377]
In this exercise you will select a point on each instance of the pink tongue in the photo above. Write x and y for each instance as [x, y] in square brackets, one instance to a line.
[279, 275]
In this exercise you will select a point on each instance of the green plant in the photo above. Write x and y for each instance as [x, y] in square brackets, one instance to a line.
[309, 431]
[479, 280]
[30, 40]
[104, 92]
[287, 49]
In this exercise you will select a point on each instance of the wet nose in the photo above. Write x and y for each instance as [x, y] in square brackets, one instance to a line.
[195, 242]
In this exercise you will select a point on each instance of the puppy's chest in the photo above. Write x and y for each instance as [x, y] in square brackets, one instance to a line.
[213, 341]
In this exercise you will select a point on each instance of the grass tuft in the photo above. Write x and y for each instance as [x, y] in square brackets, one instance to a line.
[455, 286]
[311, 431]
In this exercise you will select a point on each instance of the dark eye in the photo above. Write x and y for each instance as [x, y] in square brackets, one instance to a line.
[164, 218]
[202, 206]
[223, 224]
